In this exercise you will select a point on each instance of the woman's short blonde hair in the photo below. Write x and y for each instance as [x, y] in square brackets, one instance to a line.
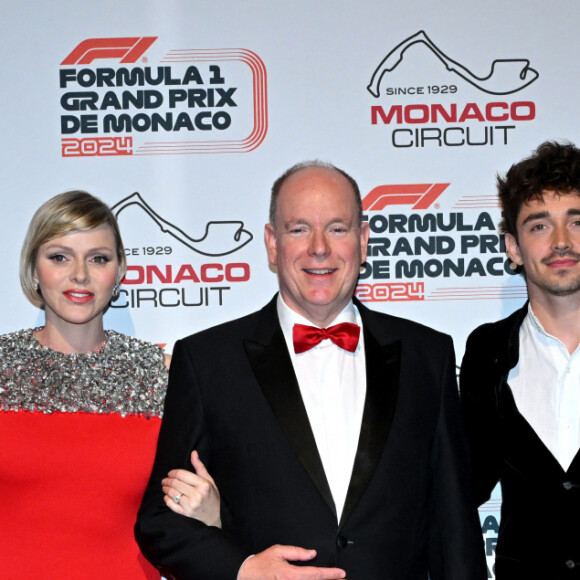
[66, 213]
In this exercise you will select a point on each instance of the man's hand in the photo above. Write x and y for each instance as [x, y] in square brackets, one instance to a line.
[197, 493]
[272, 564]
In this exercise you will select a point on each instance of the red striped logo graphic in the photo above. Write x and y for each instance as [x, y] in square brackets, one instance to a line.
[419, 195]
[126, 49]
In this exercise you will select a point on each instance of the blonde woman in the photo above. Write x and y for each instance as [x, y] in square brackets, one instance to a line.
[80, 407]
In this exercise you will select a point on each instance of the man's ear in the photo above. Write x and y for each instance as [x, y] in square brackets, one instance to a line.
[513, 250]
[271, 247]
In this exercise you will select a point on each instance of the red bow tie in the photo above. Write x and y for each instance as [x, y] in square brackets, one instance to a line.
[345, 335]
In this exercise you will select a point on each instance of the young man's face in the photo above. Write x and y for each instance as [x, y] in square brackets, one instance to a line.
[548, 244]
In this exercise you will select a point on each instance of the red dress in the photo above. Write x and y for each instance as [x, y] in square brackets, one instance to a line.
[77, 442]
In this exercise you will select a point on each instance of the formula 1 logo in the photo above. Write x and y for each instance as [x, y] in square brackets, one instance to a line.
[127, 49]
[419, 195]
[506, 76]
[419, 251]
[116, 101]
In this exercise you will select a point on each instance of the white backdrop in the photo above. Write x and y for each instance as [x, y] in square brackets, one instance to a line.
[181, 114]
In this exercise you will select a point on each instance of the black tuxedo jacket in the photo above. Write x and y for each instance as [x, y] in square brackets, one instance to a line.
[234, 397]
[539, 535]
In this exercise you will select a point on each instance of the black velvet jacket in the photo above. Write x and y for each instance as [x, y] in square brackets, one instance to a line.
[539, 536]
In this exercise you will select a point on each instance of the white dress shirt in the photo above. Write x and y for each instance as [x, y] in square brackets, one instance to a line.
[546, 388]
[332, 383]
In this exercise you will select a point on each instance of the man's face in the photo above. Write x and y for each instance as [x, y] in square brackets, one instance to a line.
[318, 245]
[548, 245]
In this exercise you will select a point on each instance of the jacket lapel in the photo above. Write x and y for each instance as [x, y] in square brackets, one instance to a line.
[522, 437]
[507, 343]
[382, 369]
[272, 366]
[517, 429]
[574, 468]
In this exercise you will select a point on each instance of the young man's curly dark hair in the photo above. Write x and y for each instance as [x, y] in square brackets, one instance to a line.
[552, 167]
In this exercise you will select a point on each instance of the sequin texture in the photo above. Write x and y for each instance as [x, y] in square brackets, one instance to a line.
[127, 376]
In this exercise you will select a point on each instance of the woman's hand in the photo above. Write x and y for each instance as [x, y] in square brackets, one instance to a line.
[194, 495]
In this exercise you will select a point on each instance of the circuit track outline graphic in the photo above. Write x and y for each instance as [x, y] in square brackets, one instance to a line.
[506, 75]
[214, 230]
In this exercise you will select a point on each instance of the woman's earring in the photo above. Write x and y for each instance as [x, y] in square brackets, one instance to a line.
[36, 286]
[116, 290]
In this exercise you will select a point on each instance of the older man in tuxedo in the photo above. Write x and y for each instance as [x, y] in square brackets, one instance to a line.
[332, 432]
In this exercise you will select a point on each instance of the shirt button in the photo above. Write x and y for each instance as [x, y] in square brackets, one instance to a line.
[571, 564]
[341, 542]
[567, 485]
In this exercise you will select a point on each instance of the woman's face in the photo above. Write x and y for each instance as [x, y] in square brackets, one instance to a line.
[76, 274]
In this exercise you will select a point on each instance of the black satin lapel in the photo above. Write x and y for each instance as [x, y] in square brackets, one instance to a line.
[274, 371]
[520, 432]
[382, 366]
[575, 465]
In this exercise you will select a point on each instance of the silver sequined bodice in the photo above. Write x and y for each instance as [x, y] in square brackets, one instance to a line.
[127, 376]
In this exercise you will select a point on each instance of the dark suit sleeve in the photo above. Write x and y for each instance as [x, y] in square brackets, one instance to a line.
[456, 550]
[477, 405]
[183, 547]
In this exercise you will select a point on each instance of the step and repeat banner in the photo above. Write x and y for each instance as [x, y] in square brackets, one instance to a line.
[180, 115]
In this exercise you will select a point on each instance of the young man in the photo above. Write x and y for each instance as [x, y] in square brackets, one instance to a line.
[332, 432]
[520, 377]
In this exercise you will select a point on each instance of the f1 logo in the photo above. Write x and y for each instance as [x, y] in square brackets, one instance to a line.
[127, 49]
[419, 195]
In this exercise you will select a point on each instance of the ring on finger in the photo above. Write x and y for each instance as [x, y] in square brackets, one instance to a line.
[177, 498]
